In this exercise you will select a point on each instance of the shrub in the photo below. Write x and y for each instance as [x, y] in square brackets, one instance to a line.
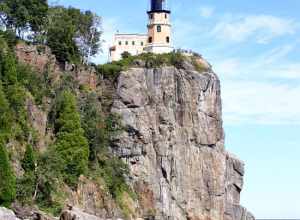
[7, 179]
[125, 55]
[5, 116]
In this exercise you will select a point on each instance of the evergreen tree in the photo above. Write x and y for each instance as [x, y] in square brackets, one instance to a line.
[71, 144]
[29, 160]
[7, 179]
[5, 116]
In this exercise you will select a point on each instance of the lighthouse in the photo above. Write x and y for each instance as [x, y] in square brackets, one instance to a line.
[158, 39]
[159, 28]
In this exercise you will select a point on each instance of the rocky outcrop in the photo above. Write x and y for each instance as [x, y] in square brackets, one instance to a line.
[174, 144]
[77, 214]
[43, 61]
[6, 214]
[91, 197]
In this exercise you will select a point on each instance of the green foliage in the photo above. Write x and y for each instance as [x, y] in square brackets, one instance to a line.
[151, 60]
[49, 177]
[34, 82]
[100, 130]
[5, 117]
[92, 124]
[9, 37]
[8, 73]
[7, 179]
[72, 34]
[21, 15]
[27, 183]
[71, 144]
[200, 67]
[26, 187]
[61, 34]
[14, 92]
[113, 170]
[29, 160]
[110, 70]
[125, 55]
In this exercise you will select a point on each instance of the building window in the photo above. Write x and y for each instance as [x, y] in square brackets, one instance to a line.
[166, 16]
[168, 39]
[133, 43]
[158, 28]
[151, 16]
[150, 40]
[126, 42]
[142, 43]
[120, 43]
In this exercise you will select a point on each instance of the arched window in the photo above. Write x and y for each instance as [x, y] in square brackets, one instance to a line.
[168, 39]
[126, 42]
[158, 28]
[142, 43]
[133, 43]
[166, 16]
[120, 43]
[150, 40]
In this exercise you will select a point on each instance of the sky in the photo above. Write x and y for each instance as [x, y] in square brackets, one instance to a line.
[254, 47]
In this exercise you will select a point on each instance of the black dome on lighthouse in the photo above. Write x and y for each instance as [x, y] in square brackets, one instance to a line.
[158, 6]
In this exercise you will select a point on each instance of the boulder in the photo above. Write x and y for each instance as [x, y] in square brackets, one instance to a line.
[7, 214]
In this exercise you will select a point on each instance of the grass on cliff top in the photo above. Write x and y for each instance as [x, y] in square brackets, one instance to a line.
[148, 60]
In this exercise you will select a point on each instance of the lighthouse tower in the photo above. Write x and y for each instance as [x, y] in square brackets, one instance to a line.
[159, 28]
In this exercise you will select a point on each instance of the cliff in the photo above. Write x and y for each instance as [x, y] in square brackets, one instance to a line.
[172, 141]
[174, 144]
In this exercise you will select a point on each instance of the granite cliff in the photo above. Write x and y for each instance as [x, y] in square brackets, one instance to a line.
[172, 142]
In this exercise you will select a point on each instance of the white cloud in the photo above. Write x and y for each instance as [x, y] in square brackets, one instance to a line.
[251, 92]
[229, 67]
[261, 28]
[260, 102]
[271, 64]
[206, 11]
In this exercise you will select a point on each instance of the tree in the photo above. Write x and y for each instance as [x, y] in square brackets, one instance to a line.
[71, 145]
[7, 179]
[8, 70]
[5, 116]
[73, 35]
[29, 160]
[61, 35]
[89, 34]
[24, 15]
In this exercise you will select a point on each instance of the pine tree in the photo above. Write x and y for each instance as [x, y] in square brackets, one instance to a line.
[71, 144]
[7, 179]
[28, 162]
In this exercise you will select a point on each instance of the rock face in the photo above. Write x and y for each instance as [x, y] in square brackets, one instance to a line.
[43, 61]
[6, 214]
[90, 197]
[76, 214]
[174, 145]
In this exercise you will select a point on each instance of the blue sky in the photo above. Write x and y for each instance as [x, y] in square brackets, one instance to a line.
[254, 46]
